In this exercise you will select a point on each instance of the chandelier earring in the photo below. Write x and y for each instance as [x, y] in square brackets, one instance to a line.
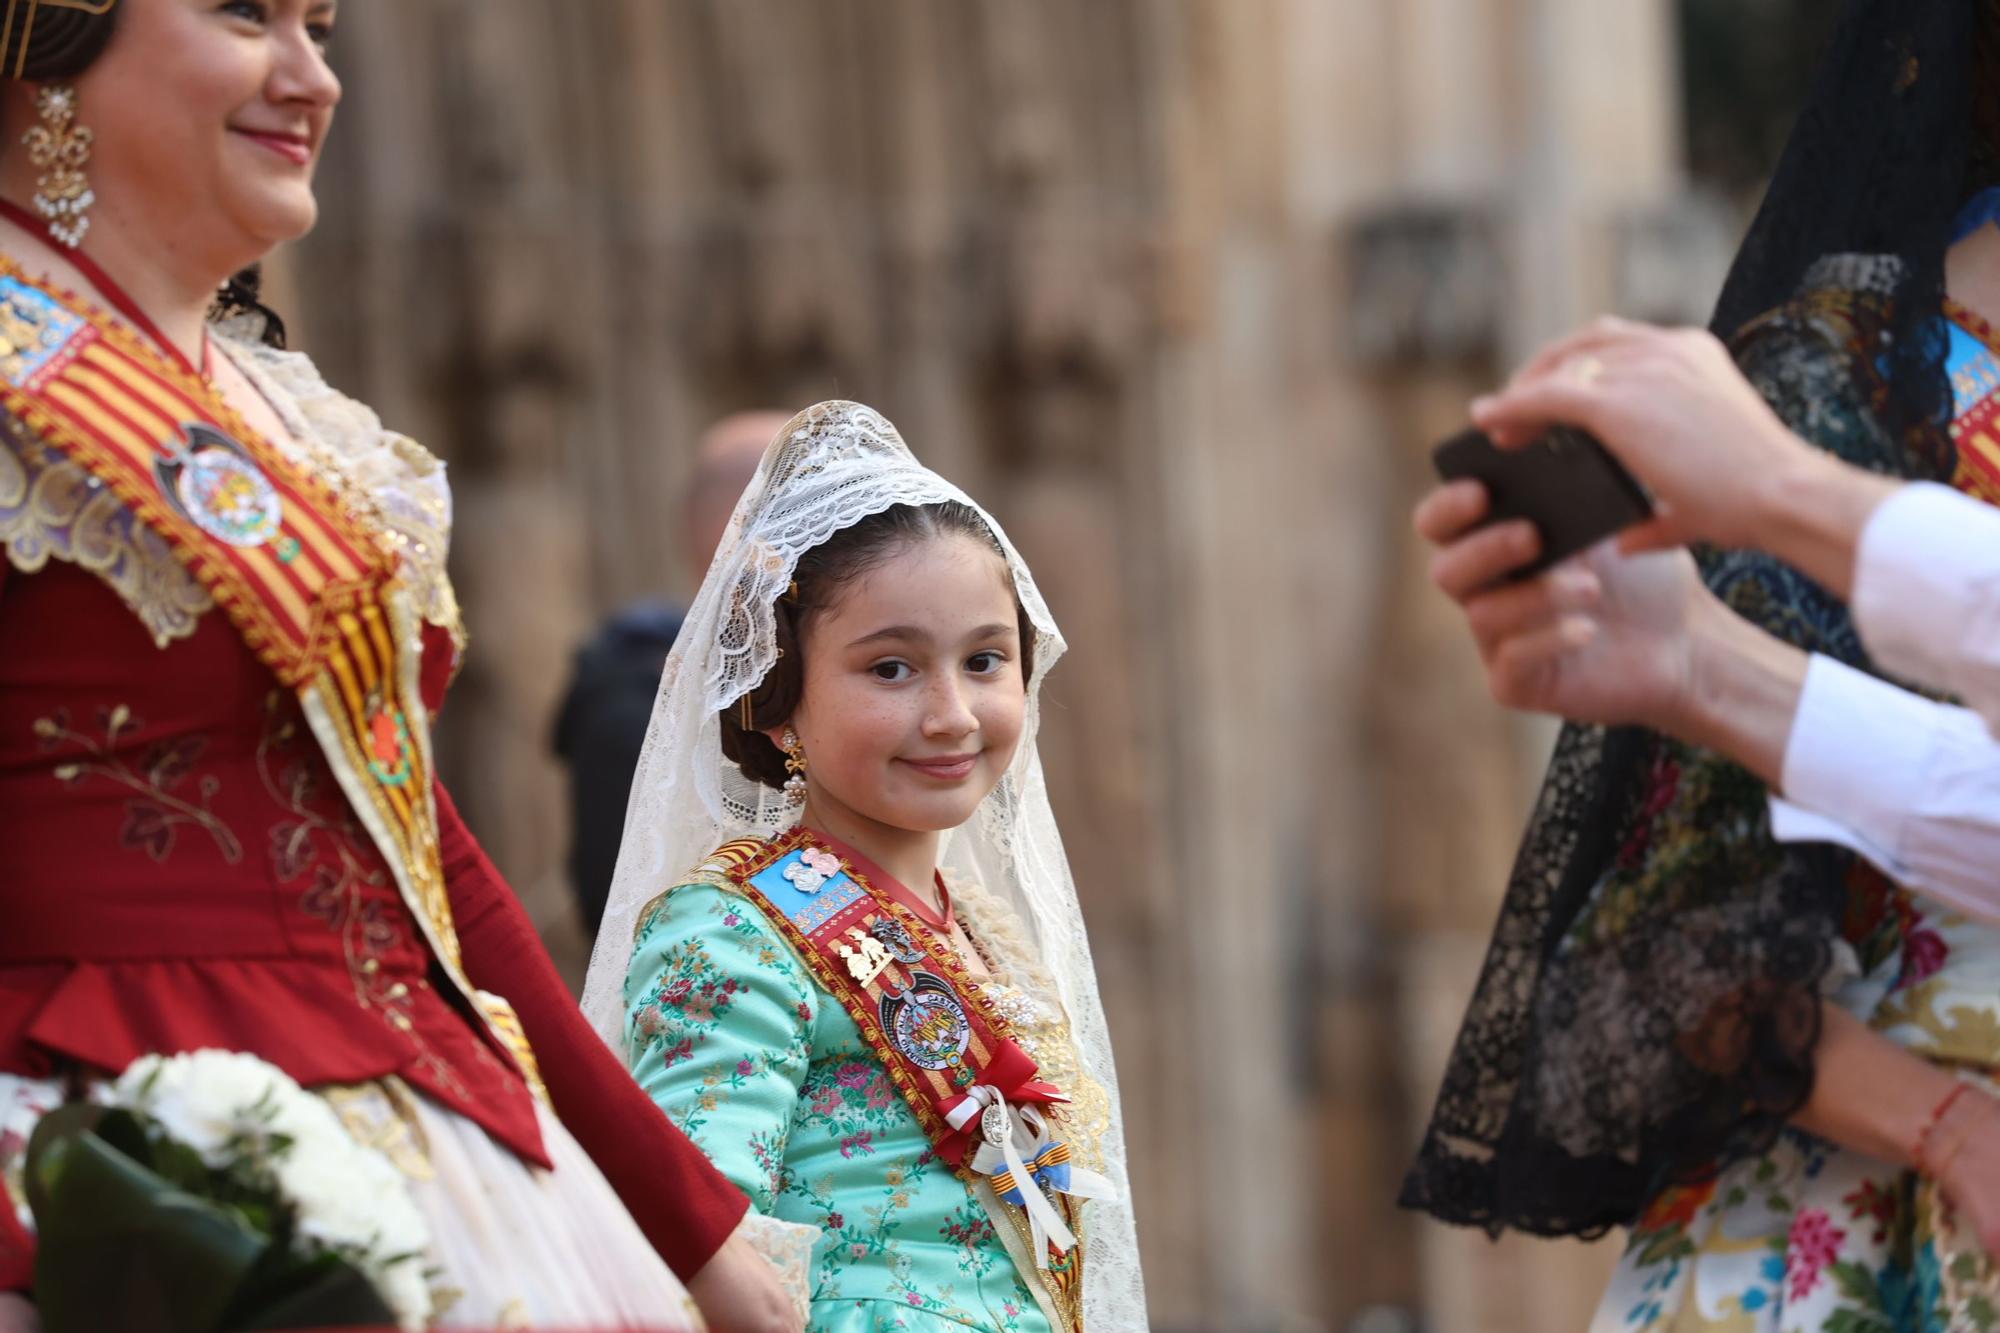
[60, 149]
[795, 764]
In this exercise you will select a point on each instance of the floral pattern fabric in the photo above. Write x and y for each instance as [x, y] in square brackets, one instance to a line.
[1808, 1236]
[729, 1034]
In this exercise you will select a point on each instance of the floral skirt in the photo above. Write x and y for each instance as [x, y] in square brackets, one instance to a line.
[514, 1246]
[1807, 1237]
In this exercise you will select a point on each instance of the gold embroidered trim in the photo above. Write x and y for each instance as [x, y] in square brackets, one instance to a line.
[403, 482]
[51, 507]
[383, 1115]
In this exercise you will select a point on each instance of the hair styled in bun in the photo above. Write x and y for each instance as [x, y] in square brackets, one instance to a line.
[48, 39]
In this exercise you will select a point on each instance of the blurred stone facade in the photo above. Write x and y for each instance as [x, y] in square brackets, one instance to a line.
[1183, 290]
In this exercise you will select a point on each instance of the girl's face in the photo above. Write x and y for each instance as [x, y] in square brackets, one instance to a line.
[213, 113]
[913, 698]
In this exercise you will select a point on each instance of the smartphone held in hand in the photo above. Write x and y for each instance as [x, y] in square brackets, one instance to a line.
[1566, 484]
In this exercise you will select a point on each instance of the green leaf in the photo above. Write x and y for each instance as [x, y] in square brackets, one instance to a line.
[1857, 1283]
[322, 1292]
[178, 1258]
[176, 1262]
[1857, 1321]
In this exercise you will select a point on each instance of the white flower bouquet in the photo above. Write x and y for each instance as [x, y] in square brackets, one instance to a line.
[224, 1196]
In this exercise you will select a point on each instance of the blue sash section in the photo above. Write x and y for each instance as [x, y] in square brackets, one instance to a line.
[806, 911]
[34, 329]
[1975, 375]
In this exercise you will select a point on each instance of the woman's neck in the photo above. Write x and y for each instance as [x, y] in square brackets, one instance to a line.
[173, 291]
[911, 858]
[1972, 273]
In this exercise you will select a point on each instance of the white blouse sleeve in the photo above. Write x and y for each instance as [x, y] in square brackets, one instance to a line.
[1927, 593]
[1911, 784]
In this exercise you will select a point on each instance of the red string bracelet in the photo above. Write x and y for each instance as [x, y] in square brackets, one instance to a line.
[1938, 1112]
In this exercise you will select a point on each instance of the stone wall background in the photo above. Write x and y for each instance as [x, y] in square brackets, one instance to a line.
[1183, 290]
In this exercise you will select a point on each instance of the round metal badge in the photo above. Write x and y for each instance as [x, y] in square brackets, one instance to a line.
[227, 495]
[930, 1027]
[993, 1125]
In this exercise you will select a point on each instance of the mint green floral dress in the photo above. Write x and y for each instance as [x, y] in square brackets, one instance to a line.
[732, 1037]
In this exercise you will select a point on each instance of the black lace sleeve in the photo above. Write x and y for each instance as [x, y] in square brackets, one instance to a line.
[1649, 1003]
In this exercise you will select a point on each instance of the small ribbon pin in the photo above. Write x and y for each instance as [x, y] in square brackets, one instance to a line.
[1047, 1163]
[1049, 1167]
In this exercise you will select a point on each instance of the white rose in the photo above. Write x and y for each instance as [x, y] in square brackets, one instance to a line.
[203, 1099]
[348, 1198]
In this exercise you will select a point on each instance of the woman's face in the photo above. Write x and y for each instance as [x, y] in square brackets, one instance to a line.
[913, 699]
[209, 116]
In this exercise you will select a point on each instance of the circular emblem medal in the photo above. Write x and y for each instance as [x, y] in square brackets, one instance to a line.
[226, 494]
[929, 1025]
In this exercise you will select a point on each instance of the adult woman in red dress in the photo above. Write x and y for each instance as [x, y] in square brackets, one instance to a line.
[224, 626]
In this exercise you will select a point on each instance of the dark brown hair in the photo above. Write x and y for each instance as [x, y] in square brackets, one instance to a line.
[62, 43]
[823, 573]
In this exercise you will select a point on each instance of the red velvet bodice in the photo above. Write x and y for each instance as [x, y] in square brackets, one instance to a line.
[179, 869]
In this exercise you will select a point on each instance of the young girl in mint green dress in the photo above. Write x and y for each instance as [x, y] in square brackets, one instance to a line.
[843, 951]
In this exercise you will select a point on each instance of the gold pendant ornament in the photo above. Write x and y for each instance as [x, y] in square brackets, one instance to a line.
[795, 764]
[61, 149]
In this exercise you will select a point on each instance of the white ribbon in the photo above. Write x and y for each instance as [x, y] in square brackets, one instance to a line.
[1027, 1127]
[1044, 1223]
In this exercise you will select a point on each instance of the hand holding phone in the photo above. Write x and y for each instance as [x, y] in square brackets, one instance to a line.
[1566, 484]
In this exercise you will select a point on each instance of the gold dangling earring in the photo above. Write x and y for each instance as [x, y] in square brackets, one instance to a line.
[795, 764]
[61, 149]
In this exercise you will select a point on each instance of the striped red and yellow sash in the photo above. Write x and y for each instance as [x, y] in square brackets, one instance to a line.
[312, 589]
[1973, 362]
[922, 1014]
[93, 390]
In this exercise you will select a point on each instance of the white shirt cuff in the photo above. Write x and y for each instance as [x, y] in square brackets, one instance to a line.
[1927, 591]
[1792, 823]
[1858, 744]
[1912, 785]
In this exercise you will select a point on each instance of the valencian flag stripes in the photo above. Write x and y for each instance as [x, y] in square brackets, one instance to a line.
[311, 589]
[1973, 362]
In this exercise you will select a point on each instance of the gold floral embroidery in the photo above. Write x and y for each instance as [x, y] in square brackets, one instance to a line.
[383, 1116]
[52, 507]
[341, 872]
[154, 816]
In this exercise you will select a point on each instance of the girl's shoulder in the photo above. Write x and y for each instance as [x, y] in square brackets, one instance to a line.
[710, 890]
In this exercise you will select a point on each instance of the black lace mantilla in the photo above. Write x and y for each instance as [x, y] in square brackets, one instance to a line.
[1650, 1000]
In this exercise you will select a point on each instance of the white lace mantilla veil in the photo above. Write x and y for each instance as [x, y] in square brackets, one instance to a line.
[831, 466]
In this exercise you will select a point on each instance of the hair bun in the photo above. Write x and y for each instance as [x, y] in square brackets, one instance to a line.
[54, 39]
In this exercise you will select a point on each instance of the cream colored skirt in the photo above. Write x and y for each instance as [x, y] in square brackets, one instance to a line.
[513, 1246]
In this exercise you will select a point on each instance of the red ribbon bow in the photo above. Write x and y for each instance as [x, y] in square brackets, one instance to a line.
[1012, 1074]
